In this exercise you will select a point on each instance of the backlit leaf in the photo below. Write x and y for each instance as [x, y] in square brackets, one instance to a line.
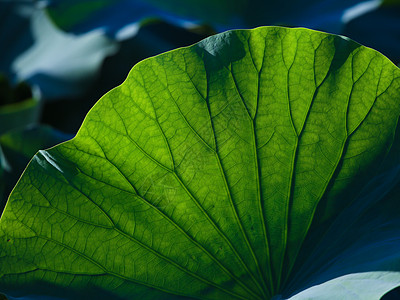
[219, 171]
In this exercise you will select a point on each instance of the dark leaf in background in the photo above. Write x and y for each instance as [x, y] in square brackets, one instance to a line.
[35, 51]
[378, 29]
[15, 36]
[119, 19]
[19, 105]
[82, 16]
[19, 114]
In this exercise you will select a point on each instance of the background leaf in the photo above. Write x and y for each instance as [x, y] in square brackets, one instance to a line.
[378, 29]
[19, 115]
[81, 16]
[60, 64]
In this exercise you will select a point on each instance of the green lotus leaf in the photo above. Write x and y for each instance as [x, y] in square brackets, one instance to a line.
[255, 164]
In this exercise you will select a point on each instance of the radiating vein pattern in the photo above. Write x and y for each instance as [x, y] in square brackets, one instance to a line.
[203, 173]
